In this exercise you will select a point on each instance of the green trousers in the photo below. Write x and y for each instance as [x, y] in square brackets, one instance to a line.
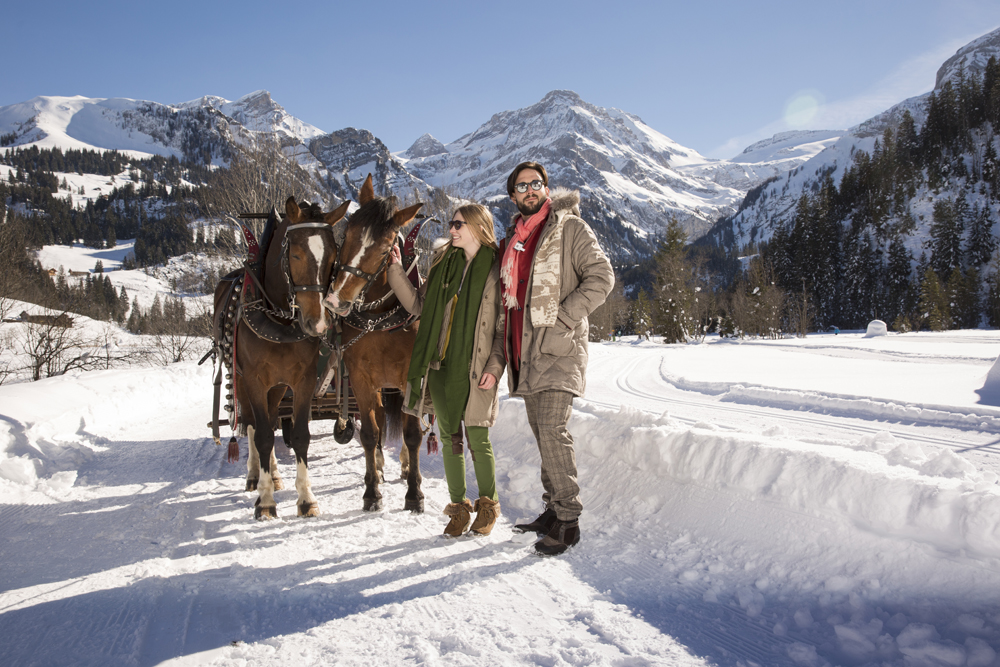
[453, 446]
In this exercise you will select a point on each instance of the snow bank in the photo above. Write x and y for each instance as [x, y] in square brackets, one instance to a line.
[892, 488]
[53, 432]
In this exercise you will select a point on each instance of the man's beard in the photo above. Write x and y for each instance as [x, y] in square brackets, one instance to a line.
[528, 211]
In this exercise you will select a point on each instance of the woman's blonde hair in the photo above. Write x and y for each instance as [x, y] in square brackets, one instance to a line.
[479, 220]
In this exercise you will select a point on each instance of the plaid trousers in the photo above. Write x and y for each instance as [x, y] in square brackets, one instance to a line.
[548, 415]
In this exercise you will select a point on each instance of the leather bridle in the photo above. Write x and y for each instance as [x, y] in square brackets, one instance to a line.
[369, 278]
[294, 289]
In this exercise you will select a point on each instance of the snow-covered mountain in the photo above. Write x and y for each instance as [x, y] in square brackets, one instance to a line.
[633, 178]
[972, 58]
[775, 204]
[635, 174]
[138, 127]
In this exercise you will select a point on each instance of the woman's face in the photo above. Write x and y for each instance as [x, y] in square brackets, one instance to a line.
[462, 237]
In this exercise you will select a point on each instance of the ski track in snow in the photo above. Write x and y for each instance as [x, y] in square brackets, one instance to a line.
[714, 532]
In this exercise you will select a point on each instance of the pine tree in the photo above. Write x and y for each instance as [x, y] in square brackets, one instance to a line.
[946, 237]
[155, 316]
[993, 293]
[963, 298]
[934, 303]
[673, 290]
[981, 242]
[136, 321]
[642, 319]
[898, 301]
[122, 305]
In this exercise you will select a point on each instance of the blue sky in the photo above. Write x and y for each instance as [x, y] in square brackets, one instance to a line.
[714, 76]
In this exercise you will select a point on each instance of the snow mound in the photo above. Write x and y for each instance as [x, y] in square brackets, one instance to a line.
[990, 392]
[876, 328]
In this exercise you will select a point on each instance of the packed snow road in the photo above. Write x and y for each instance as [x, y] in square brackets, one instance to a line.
[827, 501]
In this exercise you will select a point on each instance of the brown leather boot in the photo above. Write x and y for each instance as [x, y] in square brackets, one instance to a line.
[461, 516]
[560, 537]
[541, 525]
[487, 511]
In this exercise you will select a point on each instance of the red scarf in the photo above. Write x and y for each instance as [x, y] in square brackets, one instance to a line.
[514, 255]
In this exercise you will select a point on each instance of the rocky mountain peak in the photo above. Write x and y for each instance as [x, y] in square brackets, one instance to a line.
[425, 146]
[973, 57]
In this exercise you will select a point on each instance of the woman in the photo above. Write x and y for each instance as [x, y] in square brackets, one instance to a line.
[458, 357]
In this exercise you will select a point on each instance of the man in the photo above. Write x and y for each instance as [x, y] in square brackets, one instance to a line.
[553, 274]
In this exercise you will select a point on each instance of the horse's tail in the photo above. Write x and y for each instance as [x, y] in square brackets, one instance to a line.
[392, 403]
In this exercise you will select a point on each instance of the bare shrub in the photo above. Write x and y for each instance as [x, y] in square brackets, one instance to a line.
[259, 176]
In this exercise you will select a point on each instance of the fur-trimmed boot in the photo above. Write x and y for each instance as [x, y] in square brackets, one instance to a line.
[461, 517]
[560, 537]
[487, 511]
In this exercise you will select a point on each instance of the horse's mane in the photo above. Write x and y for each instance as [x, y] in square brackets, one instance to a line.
[375, 216]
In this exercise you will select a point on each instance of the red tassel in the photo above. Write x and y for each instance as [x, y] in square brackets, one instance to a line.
[233, 455]
[432, 443]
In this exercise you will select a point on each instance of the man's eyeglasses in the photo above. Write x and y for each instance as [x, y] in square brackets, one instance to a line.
[456, 224]
[535, 185]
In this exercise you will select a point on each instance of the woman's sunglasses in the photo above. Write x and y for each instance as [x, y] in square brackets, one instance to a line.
[456, 224]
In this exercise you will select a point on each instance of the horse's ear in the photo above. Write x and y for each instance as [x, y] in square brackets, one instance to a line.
[367, 191]
[292, 209]
[406, 215]
[335, 216]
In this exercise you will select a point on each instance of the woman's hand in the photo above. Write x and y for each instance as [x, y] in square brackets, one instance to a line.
[394, 256]
[487, 381]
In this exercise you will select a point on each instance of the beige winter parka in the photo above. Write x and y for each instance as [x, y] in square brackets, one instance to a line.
[487, 353]
[570, 277]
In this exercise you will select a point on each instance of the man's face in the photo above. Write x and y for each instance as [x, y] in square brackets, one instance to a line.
[530, 201]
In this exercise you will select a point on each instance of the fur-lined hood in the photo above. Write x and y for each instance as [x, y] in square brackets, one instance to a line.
[565, 200]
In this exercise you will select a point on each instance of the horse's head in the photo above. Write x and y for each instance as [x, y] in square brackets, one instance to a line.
[308, 253]
[371, 232]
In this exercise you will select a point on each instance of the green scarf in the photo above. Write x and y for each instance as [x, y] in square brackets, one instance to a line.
[445, 286]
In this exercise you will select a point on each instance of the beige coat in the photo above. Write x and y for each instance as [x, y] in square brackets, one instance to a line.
[487, 353]
[554, 344]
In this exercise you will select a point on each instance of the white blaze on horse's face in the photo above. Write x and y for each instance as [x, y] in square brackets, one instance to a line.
[316, 247]
[311, 314]
[333, 298]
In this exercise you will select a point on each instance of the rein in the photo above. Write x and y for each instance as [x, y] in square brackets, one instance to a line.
[361, 317]
[369, 278]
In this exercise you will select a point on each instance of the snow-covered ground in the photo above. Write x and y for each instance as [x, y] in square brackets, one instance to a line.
[145, 284]
[828, 500]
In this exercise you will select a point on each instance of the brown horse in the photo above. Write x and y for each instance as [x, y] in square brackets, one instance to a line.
[377, 340]
[277, 344]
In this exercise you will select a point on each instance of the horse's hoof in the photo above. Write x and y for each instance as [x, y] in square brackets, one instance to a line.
[415, 506]
[252, 484]
[279, 484]
[404, 473]
[265, 513]
[308, 509]
[373, 505]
